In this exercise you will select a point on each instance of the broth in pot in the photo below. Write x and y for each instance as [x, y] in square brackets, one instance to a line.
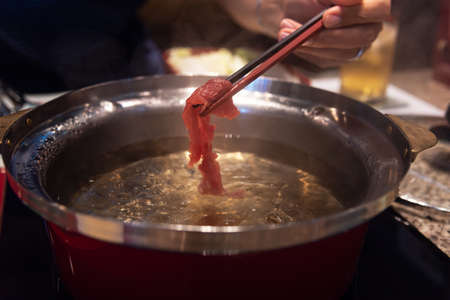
[266, 183]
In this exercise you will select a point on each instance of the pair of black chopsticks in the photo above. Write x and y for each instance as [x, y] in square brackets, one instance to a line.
[248, 73]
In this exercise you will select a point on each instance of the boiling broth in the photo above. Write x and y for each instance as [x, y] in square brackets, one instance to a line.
[265, 183]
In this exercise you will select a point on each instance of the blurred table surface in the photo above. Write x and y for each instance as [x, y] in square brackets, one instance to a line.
[421, 84]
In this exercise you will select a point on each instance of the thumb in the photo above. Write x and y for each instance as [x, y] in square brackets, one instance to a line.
[369, 11]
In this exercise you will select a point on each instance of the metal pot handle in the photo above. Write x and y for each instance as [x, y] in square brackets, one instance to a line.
[7, 120]
[419, 138]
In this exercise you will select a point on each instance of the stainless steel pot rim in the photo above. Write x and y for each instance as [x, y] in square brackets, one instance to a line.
[46, 206]
[139, 234]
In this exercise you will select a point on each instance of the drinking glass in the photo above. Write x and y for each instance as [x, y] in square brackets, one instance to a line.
[367, 78]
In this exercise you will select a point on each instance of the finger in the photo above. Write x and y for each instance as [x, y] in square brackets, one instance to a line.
[322, 57]
[340, 2]
[341, 38]
[369, 11]
[329, 54]
[346, 38]
[320, 61]
[289, 24]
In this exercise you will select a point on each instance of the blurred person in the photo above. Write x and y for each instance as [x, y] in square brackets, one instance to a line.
[50, 45]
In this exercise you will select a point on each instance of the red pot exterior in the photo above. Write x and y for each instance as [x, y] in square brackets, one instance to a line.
[93, 269]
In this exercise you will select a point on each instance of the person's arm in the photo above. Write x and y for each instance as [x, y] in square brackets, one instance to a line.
[262, 16]
[351, 25]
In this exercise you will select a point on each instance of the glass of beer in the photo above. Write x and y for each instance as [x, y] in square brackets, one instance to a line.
[366, 79]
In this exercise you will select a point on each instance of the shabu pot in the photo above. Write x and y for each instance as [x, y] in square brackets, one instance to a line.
[49, 150]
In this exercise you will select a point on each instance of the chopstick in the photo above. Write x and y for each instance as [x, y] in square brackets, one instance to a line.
[241, 78]
[272, 50]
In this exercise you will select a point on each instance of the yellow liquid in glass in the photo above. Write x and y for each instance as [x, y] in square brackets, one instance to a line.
[367, 78]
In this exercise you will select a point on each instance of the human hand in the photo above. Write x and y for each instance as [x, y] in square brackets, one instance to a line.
[351, 25]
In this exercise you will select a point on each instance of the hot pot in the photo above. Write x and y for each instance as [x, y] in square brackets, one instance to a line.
[49, 151]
